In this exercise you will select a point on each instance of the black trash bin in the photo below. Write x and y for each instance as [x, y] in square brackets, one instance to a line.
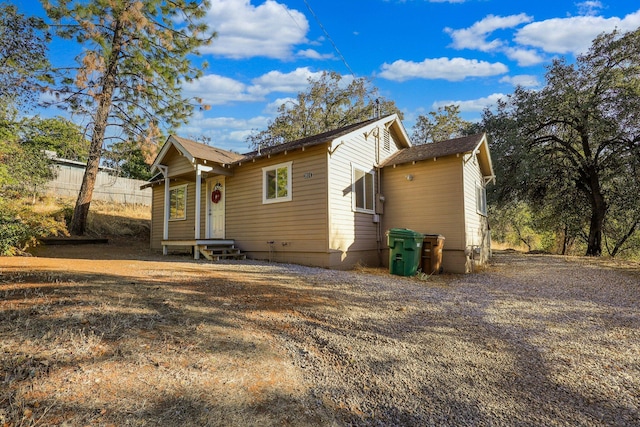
[431, 259]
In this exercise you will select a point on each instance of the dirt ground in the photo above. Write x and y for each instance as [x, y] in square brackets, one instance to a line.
[119, 335]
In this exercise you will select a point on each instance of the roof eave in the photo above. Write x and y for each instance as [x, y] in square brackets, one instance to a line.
[171, 141]
[485, 158]
[397, 124]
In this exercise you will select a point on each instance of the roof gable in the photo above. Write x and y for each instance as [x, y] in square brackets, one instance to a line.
[193, 150]
[476, 144]
[326, 137]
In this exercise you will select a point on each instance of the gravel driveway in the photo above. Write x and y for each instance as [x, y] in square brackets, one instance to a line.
[536, 340]
[122, 336]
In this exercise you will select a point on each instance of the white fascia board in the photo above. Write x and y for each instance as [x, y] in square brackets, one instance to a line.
[171, 141]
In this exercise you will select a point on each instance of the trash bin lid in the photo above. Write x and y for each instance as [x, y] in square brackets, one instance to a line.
[404, 233]
[435, 236]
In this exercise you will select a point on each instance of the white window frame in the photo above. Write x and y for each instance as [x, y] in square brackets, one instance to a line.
[354, 199]
[186, 193]
[276, 199]
[481, 199]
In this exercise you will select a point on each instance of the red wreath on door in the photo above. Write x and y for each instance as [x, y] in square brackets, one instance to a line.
[216, 195]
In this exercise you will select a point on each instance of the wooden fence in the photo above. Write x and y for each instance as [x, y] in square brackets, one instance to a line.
[109, 186]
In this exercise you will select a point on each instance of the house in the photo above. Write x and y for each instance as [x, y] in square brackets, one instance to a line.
[321, 200]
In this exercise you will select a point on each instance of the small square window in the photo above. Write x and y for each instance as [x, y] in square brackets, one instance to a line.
[276, 183]
[178, 203]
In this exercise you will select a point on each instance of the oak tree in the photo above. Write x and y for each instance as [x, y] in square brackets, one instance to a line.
[132, 159]
[331, 102]
[575, 142]
[440, 125]
[56, 134]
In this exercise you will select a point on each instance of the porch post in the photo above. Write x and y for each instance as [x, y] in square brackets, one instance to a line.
[196, 248]
[165, 221]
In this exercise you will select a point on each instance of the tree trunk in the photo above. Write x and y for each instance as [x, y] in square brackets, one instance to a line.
[81, 211]
[565, 240]
[626, 237]
[598, 212]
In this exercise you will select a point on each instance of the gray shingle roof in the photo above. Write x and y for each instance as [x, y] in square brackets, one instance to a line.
[217, 155]
[310, 140]
[450, 147]
[207, 152]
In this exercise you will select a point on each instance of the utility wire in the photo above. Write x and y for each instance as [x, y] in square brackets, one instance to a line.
[286, 9]
[335, 46]
[326, 33]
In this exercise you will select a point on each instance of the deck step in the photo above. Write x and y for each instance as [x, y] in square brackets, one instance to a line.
[220, 252]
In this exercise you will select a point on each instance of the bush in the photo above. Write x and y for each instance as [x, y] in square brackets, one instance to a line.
[20, 227]
[14, 234]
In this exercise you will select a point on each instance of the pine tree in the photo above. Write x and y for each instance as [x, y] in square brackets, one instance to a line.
[135, 57]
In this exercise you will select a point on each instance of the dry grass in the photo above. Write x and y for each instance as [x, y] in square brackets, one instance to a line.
[117, 335]
[147, 343]
[106, 219]
[112, 219]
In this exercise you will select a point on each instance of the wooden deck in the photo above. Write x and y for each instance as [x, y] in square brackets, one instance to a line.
[204, 247]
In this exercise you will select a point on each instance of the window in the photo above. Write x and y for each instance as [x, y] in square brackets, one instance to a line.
[178, 202]
[363, 190]
[276, 183]
[481, 199]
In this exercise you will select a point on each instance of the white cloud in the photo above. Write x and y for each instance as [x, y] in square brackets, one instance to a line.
[524, 57]
[475, 37]
[474, 105]
[216, 90]
[240, 135]
[227, 133]
[589, 7]
[314, 54]
[452, 69]
[277, 81]
[574, 34]
[270, 29]
[524, 80]
[272, 107]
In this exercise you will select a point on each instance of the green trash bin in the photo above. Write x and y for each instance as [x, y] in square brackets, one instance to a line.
[405, 249]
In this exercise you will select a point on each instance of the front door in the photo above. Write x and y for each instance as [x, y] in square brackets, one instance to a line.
[215, 207]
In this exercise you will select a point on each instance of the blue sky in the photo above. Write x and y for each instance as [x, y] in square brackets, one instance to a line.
[420, 53]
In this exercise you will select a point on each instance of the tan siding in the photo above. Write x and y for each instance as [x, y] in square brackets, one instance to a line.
[296, 226]
[178, 229]
[318, 226]
[178, 164]
[203, 208]
[157, 216]
[432, 203]
[184, 229]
